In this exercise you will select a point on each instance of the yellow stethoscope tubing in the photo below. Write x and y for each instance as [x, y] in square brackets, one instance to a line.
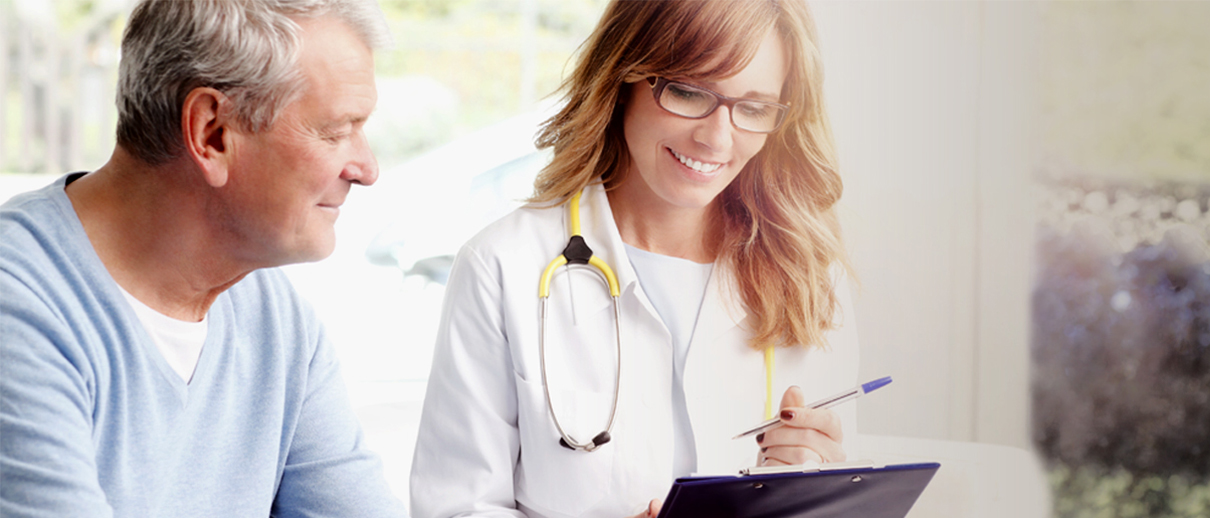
[768, 382]
[579, 249]
[573, 207]
[600, 264]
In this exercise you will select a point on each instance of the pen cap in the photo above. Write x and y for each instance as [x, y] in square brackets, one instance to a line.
[878, 383]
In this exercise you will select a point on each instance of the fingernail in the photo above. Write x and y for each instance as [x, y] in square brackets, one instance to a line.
[760, 438]
[787, 415]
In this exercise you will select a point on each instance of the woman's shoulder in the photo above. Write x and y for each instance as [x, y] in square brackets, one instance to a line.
[524, 231]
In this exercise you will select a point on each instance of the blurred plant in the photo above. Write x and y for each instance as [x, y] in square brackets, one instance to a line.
[1121, 365]
[1092, 492]
[1122, 353]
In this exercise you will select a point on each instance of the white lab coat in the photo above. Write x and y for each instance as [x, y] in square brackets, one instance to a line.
[487, 445]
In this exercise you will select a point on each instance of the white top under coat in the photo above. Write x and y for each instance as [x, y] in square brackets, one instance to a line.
[676, 287]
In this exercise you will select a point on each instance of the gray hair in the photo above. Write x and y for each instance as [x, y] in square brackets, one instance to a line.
[247, 49]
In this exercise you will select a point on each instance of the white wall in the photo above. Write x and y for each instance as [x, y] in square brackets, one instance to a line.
[932, 107]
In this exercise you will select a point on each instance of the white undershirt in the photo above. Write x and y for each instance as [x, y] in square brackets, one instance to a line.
[180, 342]
[676, 287]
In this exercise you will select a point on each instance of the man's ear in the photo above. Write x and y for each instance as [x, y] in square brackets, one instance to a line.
[207, 124]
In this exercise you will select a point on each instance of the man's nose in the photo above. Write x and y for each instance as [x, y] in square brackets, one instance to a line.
[363, 168]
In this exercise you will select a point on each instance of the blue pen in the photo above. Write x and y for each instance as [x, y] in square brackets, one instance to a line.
[828, 402]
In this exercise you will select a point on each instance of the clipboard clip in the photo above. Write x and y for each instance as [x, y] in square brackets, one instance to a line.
[808, 467]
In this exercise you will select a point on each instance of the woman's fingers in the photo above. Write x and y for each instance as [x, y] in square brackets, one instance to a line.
[786, 455]
[652, 510]
[823, 420]
[806, 434]
[793, 398]
[798, 445]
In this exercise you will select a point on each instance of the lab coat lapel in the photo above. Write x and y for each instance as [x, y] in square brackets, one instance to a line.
[724, 379]
[601, 233]
[720, 311]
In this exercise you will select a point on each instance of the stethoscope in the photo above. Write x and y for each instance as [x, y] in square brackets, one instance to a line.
[577, 253]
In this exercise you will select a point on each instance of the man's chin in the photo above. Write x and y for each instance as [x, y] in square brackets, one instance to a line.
[309, 253]
[317, 253]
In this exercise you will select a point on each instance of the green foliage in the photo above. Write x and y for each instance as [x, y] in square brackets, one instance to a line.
[1124, 87]
[430, 9]
[476, 48]
[71, 15]
[1088, 492]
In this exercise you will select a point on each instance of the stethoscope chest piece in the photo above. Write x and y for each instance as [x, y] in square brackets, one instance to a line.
[592, 445]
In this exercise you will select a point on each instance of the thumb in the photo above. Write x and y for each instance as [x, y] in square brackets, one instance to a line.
[792, 398]
[653, 508]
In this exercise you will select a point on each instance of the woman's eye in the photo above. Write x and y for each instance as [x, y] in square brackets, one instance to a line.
[686, 94]
[756, 111]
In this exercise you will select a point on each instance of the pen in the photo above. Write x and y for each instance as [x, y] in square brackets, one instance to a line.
[827, 402]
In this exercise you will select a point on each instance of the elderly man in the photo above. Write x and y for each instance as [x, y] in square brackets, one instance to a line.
[154, 364]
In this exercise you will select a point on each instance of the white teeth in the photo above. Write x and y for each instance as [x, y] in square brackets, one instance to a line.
[695, 165]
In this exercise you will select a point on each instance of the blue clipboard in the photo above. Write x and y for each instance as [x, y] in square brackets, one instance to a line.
[810, 491]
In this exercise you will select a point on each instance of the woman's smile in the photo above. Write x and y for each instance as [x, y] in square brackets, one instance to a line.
[701, 167]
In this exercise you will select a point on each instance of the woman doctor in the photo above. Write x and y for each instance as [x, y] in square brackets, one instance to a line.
[696, 139]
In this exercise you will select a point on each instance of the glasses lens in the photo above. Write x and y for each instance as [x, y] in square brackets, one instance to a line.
[686, 101]
[757, 116]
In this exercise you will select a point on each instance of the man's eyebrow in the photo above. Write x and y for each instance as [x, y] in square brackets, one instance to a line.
[342, 122]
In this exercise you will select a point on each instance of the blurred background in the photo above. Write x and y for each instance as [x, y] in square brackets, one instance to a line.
[1026, 204]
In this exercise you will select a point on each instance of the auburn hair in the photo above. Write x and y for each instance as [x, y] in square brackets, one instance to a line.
[779, 231]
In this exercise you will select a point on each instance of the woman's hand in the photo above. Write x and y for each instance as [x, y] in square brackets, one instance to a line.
[806, 435]
[653, 509]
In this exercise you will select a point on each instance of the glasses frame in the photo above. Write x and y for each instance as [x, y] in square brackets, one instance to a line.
[658, 84]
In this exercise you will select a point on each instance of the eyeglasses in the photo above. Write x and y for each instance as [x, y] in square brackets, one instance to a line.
[695, 102]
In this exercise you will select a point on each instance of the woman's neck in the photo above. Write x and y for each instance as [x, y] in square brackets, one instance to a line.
[687, 233]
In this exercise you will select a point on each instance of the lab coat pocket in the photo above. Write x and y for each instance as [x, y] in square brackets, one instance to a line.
[550, 478]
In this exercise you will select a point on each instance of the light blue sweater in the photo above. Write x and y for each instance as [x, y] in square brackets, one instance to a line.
[95, 423]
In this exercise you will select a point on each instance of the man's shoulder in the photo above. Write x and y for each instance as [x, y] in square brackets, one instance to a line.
[17, 213]
[30, 220]
[38, 245]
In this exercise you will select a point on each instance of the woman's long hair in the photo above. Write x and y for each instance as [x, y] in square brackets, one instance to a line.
[780, 233]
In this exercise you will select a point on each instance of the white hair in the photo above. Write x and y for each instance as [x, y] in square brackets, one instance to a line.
[247, 49]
